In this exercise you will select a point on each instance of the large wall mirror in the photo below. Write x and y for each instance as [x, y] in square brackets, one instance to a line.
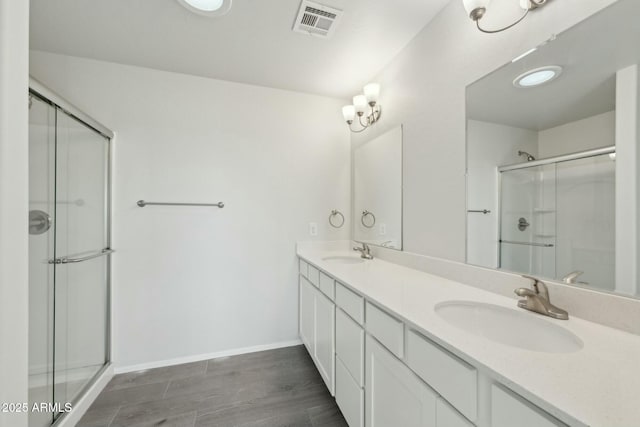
[552, 156]
[377, 191]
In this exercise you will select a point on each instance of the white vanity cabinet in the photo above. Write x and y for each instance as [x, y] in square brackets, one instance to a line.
[384, 372]
[317, 329]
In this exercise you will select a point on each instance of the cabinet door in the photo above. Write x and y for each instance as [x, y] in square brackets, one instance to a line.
[394, 395]
[325, 342]
[350, 346]
[307, 315]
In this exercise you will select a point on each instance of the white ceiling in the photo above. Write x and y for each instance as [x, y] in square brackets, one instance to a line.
[590, 54]
[254, 43]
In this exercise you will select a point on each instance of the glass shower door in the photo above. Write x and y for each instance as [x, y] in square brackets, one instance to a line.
[528, 220]
[42, 155]
[81, 290]
[586, 220]
[68, 262]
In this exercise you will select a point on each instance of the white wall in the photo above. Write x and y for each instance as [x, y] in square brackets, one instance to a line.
[424, 89]
[197, 281]
[586, 134]
[489, 145]
[14, 190]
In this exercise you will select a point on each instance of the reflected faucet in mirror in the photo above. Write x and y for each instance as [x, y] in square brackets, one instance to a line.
[572, 278]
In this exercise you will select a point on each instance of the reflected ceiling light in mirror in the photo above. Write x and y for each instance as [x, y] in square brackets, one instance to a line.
[365, 107]
[478, 8]
[538, 76]
[207, 7]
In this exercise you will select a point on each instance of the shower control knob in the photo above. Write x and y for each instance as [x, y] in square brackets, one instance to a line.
[39, 222]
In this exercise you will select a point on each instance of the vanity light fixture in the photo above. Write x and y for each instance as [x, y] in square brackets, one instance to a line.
[477, 9]
[365, 107]
[207, 7]
[538, 76]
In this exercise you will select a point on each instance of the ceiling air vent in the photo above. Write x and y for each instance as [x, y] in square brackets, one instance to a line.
[316, 19]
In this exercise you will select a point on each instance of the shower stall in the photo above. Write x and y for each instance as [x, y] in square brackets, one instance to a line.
[69, 253]
[557, 217]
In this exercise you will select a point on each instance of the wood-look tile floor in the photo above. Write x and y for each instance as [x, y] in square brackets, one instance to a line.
[274, 388]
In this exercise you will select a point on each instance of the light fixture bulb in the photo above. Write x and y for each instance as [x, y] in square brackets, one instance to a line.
[349, 113]
[538, 76]
[372, 93]
[360, 104]
[476, 8]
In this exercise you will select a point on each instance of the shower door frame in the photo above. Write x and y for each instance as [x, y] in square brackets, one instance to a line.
[40, 91]
[543, 162]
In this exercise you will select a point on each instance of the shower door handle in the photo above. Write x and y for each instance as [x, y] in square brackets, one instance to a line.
[74, 260]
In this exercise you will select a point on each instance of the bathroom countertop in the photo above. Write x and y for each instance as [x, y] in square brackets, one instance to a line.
[596, 386]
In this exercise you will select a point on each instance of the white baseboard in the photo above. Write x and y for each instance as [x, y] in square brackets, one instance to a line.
[82, 405]
[200, 357]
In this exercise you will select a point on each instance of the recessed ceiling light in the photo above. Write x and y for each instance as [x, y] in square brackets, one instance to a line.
[207, 7]
[537, 77]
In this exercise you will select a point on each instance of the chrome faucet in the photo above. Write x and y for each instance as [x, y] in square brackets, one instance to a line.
[365, 251]
[537, 300]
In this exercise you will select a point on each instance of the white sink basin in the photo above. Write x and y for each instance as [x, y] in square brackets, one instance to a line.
[510, 327]
[344, 259]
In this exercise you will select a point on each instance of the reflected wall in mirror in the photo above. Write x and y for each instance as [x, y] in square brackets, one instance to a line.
[377, 191]
[552, 156]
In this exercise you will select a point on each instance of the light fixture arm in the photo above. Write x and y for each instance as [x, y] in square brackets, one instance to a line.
[477, 14]
[369, 119]
[357, 131]
[504, 28]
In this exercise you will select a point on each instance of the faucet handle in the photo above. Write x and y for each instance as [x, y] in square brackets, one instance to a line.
[539, 286]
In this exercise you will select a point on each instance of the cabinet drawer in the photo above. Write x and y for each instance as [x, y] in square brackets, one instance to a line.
[446, 416]
[314, 275]
[349, 396]
[327, 286]
[451, 377]
[303, 267]
[350, 346]
[350, 302]
[507, 406]
[386, 329]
